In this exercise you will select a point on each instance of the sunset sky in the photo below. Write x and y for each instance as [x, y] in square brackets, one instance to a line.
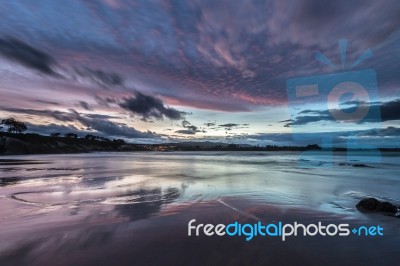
[163, 71]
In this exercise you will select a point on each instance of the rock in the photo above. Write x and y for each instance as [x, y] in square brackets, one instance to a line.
[374, 205]
[361, 165]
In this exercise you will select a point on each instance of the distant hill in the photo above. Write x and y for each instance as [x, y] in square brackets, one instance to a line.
[13, 144]
[30, 143]
[205, 144]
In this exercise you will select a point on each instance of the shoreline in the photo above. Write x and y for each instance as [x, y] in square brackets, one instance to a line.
[31, 144]
[4, 157]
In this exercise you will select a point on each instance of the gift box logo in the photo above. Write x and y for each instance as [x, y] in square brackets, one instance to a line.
[346, 97]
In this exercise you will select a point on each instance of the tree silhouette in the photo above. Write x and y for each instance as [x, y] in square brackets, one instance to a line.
[14, 126]
[55, 135]
[94, 137]
[90, 137]
[119, 141]
[71, 136]
[104, 139]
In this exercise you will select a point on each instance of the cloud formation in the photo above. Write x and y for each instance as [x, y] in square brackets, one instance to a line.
[228, 58]
[100, 77]
[189, 129]
[31, 57]
[28, 56]
[229, 126]
[85, 105]
[218, 56]
[99, 123]
[375, 137]
[149, 107]
[389, 111]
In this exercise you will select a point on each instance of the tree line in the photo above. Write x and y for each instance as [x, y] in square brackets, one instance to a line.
[17, 127]
[14, 126]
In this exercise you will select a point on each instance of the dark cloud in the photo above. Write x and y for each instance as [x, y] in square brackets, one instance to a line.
[105, 101]
[149, 107]
[188, 125]
[58, 115]
[185, 131]
[389, 111]
[209, 124]
[229, 126]
[189, 128]
[364, 138]
[287, 122]
[33, 58]
[99, 116]
[53, 128]
[85, 105]
[28, 56]
[99, 123]
[46, 102]
[100, 77]
[110, 128]
[385, 132]
[305, 119]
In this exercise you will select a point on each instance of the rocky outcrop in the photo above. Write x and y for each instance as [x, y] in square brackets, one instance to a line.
[374, 205]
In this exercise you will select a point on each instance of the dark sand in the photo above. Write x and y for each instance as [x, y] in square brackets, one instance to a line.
[134, 209]
[120, 239]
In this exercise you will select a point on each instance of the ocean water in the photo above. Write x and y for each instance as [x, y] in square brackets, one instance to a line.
[83, 208]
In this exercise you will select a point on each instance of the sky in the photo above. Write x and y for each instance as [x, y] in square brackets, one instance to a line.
[166, 71]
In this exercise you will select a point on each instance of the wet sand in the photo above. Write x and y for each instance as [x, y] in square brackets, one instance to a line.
[98, 237]
[122, 210]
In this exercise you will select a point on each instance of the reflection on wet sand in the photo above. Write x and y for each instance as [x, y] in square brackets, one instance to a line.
[94, 225]
[143, 203]
[163, 239]
[6, 181]
[133, 209]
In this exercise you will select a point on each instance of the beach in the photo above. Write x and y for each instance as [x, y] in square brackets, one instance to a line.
[134, 208]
